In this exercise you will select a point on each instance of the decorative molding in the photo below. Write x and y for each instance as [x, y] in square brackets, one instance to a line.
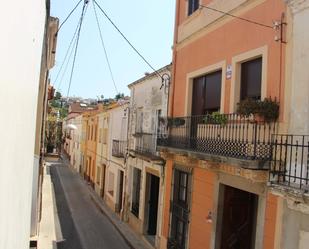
[297, 5]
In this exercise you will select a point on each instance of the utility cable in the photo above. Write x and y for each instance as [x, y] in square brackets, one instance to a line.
[67, 64]
[104, 48]
[67, 52]
[237, 17]
[126, 39]
[77, 42]
[65, 20]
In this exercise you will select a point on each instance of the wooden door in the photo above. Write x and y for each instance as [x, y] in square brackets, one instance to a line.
[239, 219]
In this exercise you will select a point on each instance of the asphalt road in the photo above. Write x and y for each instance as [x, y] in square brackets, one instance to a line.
[83, 226]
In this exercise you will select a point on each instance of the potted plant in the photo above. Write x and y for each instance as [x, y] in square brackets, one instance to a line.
[247, 107]
[176, 121]
[262, 110]
[216, 118]
[269, 109]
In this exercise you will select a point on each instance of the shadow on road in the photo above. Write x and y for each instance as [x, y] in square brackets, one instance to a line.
[68, 229]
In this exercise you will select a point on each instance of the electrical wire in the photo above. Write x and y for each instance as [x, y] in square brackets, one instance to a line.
[77, 42]
[67, 53]
[104, 48]
[65, 20]
[67, 65]
[126, 39]
[237, 17]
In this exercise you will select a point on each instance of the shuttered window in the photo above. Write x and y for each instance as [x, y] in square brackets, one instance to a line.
[206, 96]
[251, 79]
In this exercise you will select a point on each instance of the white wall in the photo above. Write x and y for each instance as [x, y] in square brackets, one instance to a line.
[22, 30]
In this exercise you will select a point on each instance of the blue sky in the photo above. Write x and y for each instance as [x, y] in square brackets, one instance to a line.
[148, 24]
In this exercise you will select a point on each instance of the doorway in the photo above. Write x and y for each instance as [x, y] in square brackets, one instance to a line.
[103, 180]
[238, 225]
[153, 199]
[120, 191]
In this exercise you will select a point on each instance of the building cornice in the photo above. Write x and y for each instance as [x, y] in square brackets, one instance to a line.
[297, 5]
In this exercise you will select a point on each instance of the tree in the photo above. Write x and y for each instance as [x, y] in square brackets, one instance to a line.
[119, 96]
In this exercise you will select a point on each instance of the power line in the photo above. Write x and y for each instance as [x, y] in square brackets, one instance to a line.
[68, 16]
[104, 48]
[237, 17]
[67, 52]
[77, 42]
[126, 39]
[67, 64]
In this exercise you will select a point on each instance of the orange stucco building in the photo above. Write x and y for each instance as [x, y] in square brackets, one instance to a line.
[89, 147]
[216, 192]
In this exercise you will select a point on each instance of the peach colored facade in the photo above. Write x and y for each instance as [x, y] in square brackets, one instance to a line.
[222, 41]
[90, 147]
[204, 42]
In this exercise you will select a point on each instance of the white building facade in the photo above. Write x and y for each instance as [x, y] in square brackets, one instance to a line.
[115, 174]
[145, 167]
[24, 30]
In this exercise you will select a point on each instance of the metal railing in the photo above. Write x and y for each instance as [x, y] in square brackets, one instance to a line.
[230, 135]
[119, 148]
[146, 144]
[290, 161]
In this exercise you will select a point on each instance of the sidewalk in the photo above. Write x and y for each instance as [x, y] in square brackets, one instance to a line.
[49, 228]
[133, 240]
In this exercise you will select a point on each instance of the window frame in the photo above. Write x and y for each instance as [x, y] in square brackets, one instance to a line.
[236, 74]
[191, 8]
[200, 72]
[136, 189]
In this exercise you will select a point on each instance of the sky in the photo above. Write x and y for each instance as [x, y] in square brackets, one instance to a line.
[148, 25]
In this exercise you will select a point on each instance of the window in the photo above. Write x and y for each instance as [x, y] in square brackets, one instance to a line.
[206, 95]
[98, 176]
[111, 179]
[136, 191]
[139, 121]
[193, 5]
[95, 132]
[104, 138]
[88, 132]
[180, 210]
[100, 135]
[251, 79]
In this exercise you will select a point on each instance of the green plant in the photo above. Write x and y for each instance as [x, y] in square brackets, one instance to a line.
[247, 107]
[216, 118]
[269, 109]
[176, 121]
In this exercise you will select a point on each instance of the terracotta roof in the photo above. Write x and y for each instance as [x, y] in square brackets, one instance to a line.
[79, 107]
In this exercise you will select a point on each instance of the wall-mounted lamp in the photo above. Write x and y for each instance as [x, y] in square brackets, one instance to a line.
[209, 217]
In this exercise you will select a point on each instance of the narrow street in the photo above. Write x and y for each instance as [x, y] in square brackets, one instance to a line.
[82, 224]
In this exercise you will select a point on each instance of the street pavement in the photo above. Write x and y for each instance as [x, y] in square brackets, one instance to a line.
[82, 223]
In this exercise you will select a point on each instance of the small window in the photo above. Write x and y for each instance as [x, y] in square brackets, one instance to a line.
[136, 191]
[251, 79]
[95, 132]
[104, 136]
[100, 135]
[111, 178]
[193, 5]
[98, 178]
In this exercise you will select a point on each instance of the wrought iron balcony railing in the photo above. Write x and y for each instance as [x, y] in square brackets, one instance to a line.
[290, 161]
[146, 144]
[230, 135]
[119, 148]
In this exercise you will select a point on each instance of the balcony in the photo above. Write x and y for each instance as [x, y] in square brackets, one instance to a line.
[290, 162]
[227, 135]
[119, 148]
[146, 146]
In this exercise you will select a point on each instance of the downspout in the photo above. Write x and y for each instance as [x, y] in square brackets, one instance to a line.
[171, 104]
